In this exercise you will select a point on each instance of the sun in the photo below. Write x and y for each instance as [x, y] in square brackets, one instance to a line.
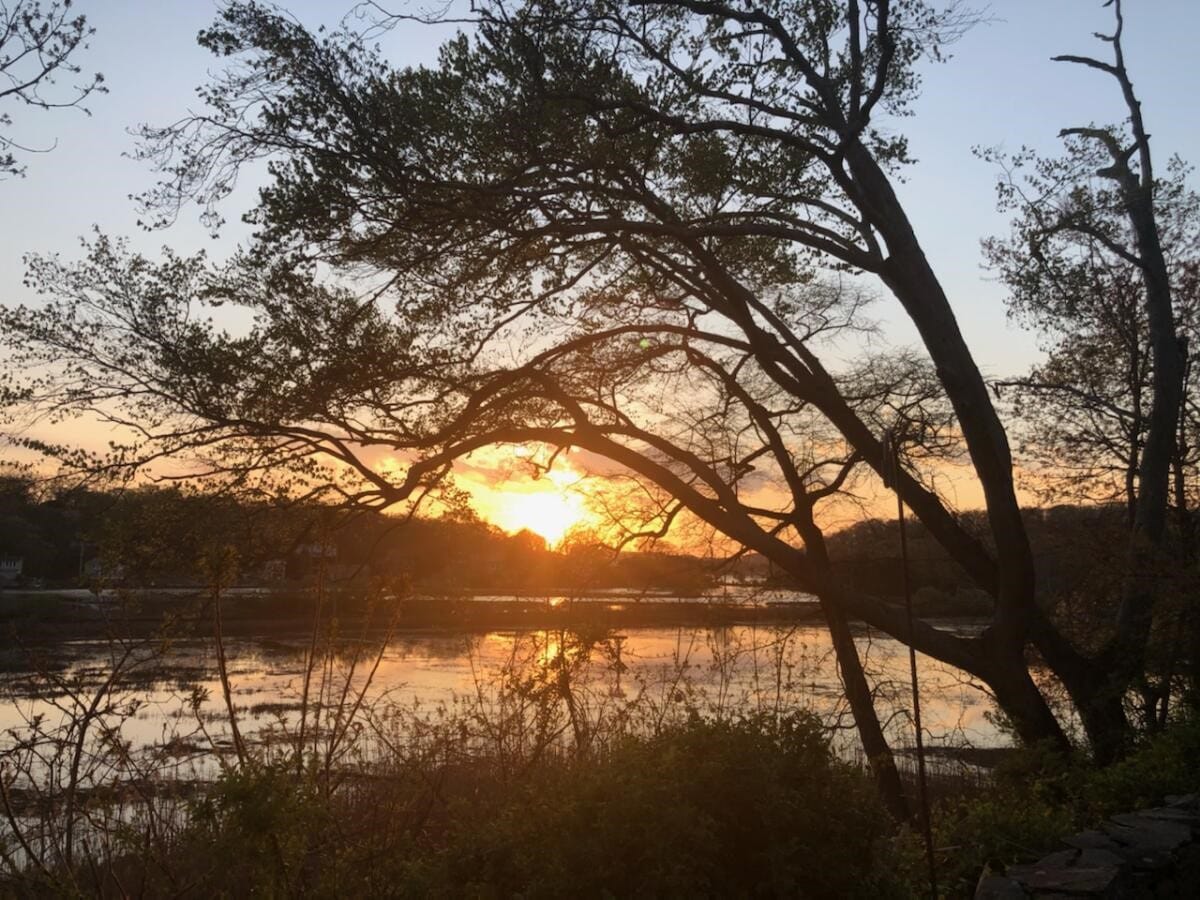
[550, 513]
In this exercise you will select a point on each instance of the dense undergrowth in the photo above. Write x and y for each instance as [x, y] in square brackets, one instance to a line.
[536, 787]
[1035, 798]
[751, 807]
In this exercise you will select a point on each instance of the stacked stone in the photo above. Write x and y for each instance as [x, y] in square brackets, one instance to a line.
[1149, 853]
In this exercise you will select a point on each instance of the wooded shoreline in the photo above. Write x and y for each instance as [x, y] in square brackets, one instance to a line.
[49, 616]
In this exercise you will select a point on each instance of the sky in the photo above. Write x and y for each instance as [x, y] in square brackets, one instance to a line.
[999, 89]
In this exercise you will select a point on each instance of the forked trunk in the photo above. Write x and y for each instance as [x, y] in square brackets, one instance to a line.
[1097, 699]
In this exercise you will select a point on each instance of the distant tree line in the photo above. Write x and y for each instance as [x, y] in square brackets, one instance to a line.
[162, 536]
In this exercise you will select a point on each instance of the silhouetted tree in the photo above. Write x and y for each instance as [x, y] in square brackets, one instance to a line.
[1086, 405]
[1103, 243]
[39, 45]
[1085, 412]
[617, 228]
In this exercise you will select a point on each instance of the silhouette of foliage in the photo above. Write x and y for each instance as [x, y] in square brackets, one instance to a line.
[629, 230]
[39, 45]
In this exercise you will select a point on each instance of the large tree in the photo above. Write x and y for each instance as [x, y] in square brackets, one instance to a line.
[1087, 410]
[630, 229]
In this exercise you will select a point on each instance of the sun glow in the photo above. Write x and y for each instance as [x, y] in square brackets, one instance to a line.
[550, 513]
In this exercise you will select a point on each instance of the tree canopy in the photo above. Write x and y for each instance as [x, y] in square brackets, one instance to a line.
[39, 46]
[638, 230]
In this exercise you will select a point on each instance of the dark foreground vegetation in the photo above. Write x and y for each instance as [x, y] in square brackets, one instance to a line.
[704, 808]
[747, 807]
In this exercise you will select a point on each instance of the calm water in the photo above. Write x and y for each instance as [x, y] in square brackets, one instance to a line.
[172, 697]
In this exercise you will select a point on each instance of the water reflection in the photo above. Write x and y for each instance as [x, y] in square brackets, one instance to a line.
[597, 681]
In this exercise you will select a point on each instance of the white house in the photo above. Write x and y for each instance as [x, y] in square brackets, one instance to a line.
[10, 569]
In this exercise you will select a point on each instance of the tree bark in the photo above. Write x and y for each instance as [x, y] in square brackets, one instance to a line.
[910, 277]
[879, 753]
[1101, 709]
[854, 680]
[1126, 655]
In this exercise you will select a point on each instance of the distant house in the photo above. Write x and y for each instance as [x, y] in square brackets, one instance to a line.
[97, 569]
[11, 568]
[272, 571]
[317, 551]
[307, 560]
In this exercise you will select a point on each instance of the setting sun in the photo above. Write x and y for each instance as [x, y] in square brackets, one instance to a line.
[549, 513]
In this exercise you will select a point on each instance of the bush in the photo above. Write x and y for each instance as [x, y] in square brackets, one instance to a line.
[746, 808]
[258, 826]
[992, 831]
[1039, 797]
[754, 808]
[1168, 763]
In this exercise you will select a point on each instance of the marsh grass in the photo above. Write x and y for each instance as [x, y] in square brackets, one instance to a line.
[539, 779]
[562, 770]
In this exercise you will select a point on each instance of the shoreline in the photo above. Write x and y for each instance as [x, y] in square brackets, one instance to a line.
[48, 616]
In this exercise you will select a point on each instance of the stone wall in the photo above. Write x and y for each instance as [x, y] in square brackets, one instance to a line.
[1150, 853]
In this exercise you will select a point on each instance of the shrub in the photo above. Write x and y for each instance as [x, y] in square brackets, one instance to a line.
[1167, 763]
[1039, 797]
[747, 808]
[754, 807]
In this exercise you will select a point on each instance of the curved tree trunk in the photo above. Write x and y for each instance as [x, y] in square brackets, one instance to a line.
[854, 680]
[862, 705]
[910, 277]
[1101, 709]
[1022, 701]
[1125, 657]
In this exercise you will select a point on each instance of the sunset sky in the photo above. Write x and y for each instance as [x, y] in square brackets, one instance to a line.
[1000, 88]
